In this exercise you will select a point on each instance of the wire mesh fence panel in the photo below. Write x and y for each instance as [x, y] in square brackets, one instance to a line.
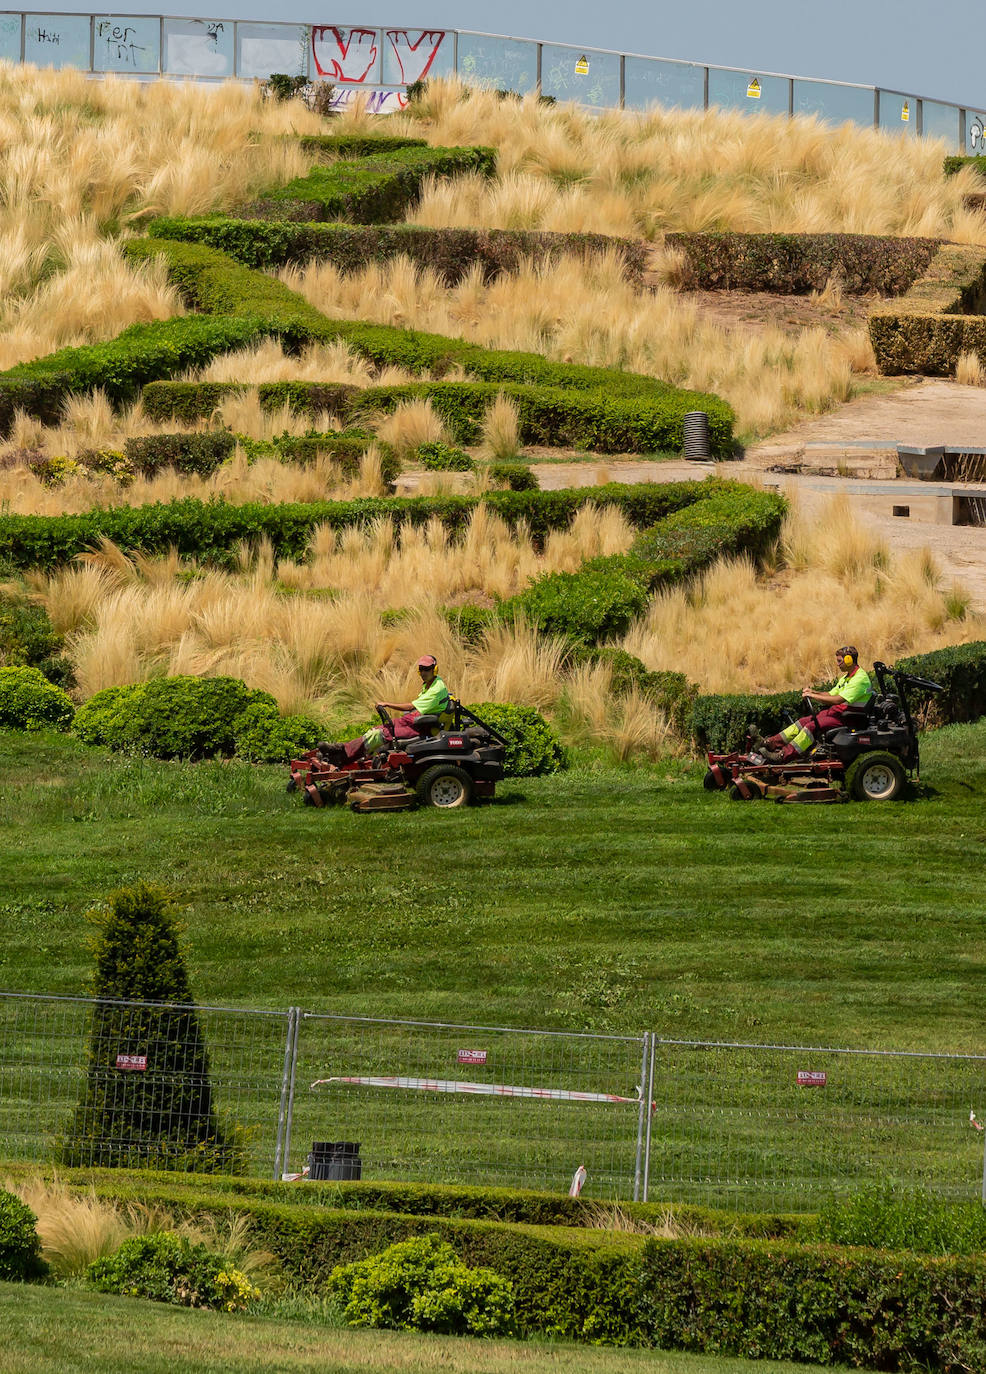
[470, 1105]
[762, 1126]
[140, 1085]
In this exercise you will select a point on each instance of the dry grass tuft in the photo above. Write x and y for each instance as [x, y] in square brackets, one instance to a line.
[501, 430]
[969, 370]
[76, 1228]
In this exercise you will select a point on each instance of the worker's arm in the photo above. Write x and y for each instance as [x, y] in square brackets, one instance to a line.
[401, 706]
[825, 698]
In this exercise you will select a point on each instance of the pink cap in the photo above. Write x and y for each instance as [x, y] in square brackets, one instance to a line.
[428, 661]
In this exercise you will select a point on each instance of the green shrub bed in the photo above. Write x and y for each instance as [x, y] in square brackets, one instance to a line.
[194, 718]
[375, 189]
[449, 253]
[212, 530]
[757, 1299]
[956, 162]
[939, 317]
[794, 264]
[200, 454]
[28, 701]
[328, 147]
[20, 1249]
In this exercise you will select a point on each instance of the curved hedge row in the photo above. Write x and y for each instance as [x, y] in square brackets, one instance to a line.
[269, 244]
[212, 530]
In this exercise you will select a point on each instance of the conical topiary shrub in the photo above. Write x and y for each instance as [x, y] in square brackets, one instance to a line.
[147, 1102]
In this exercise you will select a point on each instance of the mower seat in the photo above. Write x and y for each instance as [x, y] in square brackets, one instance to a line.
[855, 717]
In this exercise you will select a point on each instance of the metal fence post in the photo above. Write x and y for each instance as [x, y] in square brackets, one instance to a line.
[650, 1112]
[642, 1118]
[291, 1056]
[282, 1110]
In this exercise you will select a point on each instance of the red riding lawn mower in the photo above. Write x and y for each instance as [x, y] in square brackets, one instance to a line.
[446, 765]
[867, 757]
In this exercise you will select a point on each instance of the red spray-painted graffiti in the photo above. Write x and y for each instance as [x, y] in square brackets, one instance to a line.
[415, 59]
[344, 55]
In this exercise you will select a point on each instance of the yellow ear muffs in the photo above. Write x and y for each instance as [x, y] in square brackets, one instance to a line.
[847, 660]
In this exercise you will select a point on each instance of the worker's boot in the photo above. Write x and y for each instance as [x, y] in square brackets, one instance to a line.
[771, 755]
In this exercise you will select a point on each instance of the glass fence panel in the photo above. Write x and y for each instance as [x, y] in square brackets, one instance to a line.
[346, 56]
[198, 47]
[591, 78]
[502, 64]
[940, 121]
[748, 92]
[663, 83]
[130, 44]
[834, 103]
[265, 48]
[416, 54]
[57, 40]
[898, 113]
[10, 37]
[975, 132]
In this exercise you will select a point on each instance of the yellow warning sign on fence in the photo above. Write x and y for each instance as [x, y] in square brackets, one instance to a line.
[905, 112]
[753, 90]
[582, 66]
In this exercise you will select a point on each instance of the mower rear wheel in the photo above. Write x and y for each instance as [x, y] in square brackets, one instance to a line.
[876, 777]
[444, 785]
[752, 794]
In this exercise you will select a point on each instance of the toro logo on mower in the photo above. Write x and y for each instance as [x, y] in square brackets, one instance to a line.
[456, 741]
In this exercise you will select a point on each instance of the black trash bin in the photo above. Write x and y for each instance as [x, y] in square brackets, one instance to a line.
[696, 431]
[335, 1161]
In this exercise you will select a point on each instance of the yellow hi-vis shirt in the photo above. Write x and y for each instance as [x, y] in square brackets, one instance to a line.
[854, 687]
[433, 699]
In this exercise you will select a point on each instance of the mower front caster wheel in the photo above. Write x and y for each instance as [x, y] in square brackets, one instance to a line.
[444, 786]
[876, 777]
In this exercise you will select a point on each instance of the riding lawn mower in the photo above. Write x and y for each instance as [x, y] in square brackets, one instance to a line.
[454, 760]
[867, 757]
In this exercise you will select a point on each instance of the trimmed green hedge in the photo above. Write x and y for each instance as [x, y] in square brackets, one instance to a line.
[941, 316]
[376, 189]
[212, 530]
[331, 146]
[955, 163]
[961, 670]
[143, 353]
[450, 253]
[187, 403]
[794, 264]
[720, 720]
[606, 595]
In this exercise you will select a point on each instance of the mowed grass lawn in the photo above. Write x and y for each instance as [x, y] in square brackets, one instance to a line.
[54, 1331]
[602, 899]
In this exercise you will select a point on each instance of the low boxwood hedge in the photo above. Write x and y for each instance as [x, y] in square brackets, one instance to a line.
[450, 253]
[375, 189]
[961, 670]
[939, 317]
[212, 530]
[720, 720]
[794, 264]
[188, 403]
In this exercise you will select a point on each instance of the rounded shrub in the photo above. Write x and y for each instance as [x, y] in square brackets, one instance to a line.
[438, 457]
[166, 1267]
[28, 701]
[262, 735]
[533, 748]
[104, 718]
[593, 604]
[20, 1249]
[515, 476]
[422, 1285]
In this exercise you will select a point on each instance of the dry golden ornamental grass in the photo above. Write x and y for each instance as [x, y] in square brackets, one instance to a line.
[640, 174]
[80, 159]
